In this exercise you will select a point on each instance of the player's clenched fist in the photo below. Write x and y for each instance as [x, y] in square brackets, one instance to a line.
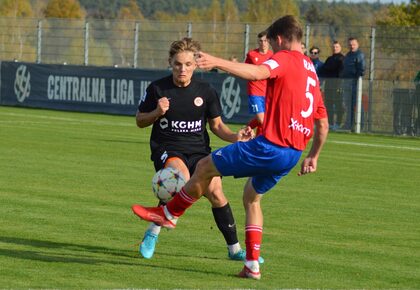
[163, 105]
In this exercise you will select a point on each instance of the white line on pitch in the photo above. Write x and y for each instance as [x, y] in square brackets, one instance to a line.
[375, 145]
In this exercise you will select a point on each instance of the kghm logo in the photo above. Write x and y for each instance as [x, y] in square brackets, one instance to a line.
[230, 98]
[22, 83]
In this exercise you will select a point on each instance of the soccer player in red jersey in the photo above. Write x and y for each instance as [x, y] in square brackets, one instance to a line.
[294, 113]
[257, 89]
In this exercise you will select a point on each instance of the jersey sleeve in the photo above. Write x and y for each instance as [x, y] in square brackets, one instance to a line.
[214, 109]
[148, 101]
[276, 65]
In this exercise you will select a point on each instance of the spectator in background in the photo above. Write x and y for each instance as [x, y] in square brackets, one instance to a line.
[354, 66]
[314, 55]
[257, 89]
[332, 87]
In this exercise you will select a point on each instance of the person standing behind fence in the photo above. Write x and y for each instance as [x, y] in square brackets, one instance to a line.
[257, 89]
[332, 91]
[354, 66]
[314, 55]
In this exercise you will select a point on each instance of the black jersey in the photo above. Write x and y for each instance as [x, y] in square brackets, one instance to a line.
[183, 127]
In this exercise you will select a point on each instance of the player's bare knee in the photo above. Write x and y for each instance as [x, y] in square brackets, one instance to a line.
[203, 167]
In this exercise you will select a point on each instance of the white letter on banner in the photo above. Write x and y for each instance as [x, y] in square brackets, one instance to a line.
[130, 93]
[102, 92]
[57, 88]
[49, 87]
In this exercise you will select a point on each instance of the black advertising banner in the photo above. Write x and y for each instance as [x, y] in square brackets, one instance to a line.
[103, 89]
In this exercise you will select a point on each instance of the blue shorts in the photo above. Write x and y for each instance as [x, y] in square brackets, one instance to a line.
[258, 158]
[256, 104]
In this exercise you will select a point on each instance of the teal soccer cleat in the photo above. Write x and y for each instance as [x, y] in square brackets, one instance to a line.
[241, 256]
[147, 246]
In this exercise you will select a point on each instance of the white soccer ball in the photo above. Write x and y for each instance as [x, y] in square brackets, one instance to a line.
[166, 182]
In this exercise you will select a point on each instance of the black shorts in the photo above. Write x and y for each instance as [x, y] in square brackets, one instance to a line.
[160, 157]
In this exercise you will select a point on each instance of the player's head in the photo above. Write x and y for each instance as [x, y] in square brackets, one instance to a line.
[263, 44]
[284, 33]
[182, 60]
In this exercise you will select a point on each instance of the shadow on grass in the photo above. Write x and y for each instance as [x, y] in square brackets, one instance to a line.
[68, 254]
[124, 141]
[113, 140]
[83, 254]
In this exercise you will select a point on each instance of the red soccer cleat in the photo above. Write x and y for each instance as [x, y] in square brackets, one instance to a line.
[153, 214]
[247, 273]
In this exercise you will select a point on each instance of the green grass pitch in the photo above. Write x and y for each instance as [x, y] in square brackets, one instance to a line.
[67, 182]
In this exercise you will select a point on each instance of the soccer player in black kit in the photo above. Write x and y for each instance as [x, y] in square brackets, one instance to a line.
[179, 107]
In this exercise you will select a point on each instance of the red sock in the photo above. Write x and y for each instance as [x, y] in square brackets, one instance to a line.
[253, 239]
[179, 203]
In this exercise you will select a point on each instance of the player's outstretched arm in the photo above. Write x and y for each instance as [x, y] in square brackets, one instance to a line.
[243, 70]
[223, 132]
[309, 164]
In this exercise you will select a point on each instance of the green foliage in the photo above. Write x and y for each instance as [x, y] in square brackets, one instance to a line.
[68, 181]
[16, 8]
[214, 11]
[268, 11]
[131, 11]
[103, 9]
[101, 49]
[230, 11]
[64, 9]
[394, 22]
[402, 15]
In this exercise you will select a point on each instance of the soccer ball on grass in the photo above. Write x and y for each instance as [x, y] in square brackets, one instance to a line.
[166, 182]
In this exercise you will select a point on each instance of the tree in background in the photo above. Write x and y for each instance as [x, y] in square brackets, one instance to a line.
[123, 38]
[16, 8]
[395, 23]
[38, 7]
[102, 9]
[64, 9]
[64, 26]
[401, 15]
[130, 12]
[269, 10]
[230, 11]
[16, 40]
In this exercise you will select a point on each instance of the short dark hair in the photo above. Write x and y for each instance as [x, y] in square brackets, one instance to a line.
[262, 34]
[315, 47]
[288, 27]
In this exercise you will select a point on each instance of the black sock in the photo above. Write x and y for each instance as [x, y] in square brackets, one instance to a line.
[226, 223]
